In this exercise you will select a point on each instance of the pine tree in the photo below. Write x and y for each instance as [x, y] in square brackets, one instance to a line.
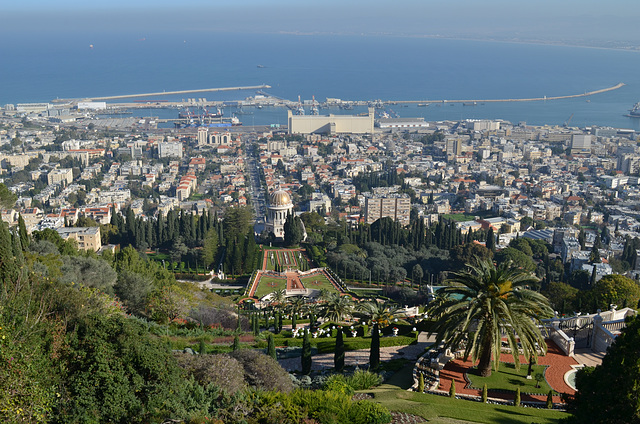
[338, 357]
[305, 359]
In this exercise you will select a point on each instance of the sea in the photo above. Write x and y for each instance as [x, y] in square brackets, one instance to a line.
[40, 67]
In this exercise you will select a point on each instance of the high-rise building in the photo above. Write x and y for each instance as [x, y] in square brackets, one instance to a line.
[398, 208]
[580, 143]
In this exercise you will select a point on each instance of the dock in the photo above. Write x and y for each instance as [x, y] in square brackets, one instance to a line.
[532, 99]
[167, 93]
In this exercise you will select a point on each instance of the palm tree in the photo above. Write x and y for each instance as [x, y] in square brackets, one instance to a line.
[296, 306]
[379, 313]
[337, 308]
[278, 297]
[485, 303]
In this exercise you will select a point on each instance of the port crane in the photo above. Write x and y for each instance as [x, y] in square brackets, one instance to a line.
[568, 121]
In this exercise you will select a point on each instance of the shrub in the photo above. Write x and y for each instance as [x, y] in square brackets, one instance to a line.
[338, 383]
[366, 412]
[262, 371]
[222, 370]
[362, 380]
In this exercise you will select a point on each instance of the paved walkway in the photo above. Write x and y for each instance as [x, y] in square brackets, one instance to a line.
[361, 357]
[558, 365]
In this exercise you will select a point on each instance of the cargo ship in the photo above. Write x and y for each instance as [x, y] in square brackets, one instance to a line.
[634, 112]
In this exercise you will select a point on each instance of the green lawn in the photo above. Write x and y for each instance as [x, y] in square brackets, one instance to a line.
[508, 378]
[268, 285]
[290, 255]
[318, 282]
[444, 410]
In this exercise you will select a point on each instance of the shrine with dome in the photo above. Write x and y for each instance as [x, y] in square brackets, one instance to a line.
[280, 206]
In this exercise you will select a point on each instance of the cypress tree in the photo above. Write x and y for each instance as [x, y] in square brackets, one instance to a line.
[550, 399]
[374, 353]
[294, 321]
[256, 325]
[491, 240]
[421, 383]
[516, 402]
[305, 359]
[22, 231]
[236, 343]
[338, 357]
[594, 277]
[452, 389]
[485, 393]
[271, 346]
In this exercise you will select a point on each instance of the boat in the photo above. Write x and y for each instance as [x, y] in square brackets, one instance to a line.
[200, 114]
[634, 112]
[261, 66]
[423, 104]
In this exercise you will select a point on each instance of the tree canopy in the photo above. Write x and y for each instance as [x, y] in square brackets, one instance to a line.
[484, 303]
[610, 392]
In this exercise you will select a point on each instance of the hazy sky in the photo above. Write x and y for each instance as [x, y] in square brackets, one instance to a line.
[616, 20]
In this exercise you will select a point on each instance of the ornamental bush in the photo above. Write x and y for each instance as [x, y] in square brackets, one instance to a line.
[262, 371]
[221, 370]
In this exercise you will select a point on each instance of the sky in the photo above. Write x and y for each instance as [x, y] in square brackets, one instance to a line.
[546, 20]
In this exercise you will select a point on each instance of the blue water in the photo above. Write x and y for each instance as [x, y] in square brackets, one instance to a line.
[41, 67]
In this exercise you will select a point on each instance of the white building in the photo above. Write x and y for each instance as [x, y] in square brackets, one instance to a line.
[280, 206]
[166, 150]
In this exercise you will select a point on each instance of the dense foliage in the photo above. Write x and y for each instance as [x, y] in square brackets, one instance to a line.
[610, 392]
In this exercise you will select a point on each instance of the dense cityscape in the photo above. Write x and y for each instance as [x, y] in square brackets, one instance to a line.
[334, 269]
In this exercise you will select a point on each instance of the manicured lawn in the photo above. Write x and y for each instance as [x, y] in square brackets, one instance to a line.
[268, 285]
[286, 258]
[444, 410]
[508, 378]
[318, 282]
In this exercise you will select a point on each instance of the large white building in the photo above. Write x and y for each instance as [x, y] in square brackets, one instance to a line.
[169, 149]
[331, 124]
[280, 206]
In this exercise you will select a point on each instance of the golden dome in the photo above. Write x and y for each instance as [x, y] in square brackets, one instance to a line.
[280, 198]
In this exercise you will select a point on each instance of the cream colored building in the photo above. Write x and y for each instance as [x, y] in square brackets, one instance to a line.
[396, 208]
[88, 238]
[331, 124]
[280, 206]
[58, 175]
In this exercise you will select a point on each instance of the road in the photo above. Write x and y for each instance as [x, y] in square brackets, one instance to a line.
[258, 200]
